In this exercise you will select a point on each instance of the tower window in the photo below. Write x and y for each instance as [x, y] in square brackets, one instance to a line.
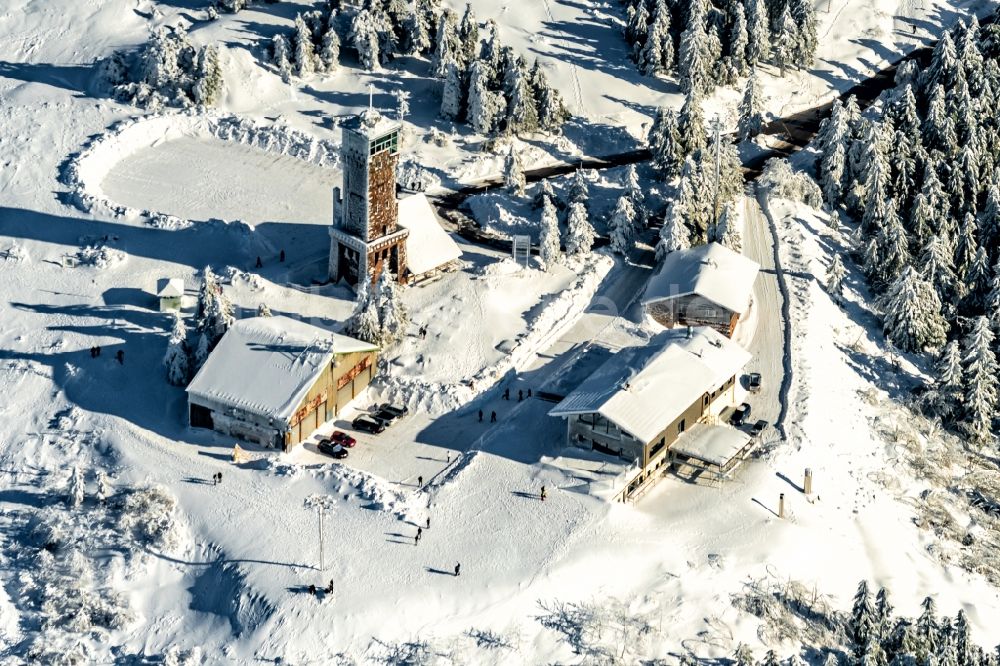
[388, 142]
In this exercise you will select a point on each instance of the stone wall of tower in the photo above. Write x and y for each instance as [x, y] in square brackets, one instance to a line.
[356, 172]
[382, 205]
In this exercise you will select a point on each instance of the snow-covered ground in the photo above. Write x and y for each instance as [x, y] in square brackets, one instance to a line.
[224, 574]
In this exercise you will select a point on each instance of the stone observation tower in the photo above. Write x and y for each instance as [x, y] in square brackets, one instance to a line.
[365, 237]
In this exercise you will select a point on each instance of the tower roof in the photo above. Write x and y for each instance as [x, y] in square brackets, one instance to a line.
[371, 124]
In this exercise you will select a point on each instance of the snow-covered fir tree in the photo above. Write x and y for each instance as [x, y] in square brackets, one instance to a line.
[210, 85]
[393, 314]
[633, 190]
[833, 140]
[417, 30]
[759, 32]
[579, 190]
[522, 112]
[175, 359]
[835, 278]
[692, 60]
[739, 41]
[665, 144]
[674, 234]
[981, 380]
[305, 54]
[364, 322]
[862, 622]
[104, 490]
[729, 231]
[548, 236]
[364, 38]
[937, 266]
[451, 96]
[579, 232]
[263, 310]
[912, 313]
[542, 191]
[329, 51]
[513, 177]
[449, 49]
[622, 227]
[786, 41]
[485, 106]
[803, 13]
[992, 305]
[750, 110]
[202, 349]
[468, 36]
[657, 55]
[215, 311]
[76, 489]
[280, 57]
[691, 124]
[949, 388]
[551, 110]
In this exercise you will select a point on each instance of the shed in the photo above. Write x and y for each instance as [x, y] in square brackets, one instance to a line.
[428, 246]
[170, 291]
[707, 285]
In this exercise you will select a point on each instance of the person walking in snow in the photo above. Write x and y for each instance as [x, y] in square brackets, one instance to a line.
[420, 533]
[542, 495]
[480, 416]
[281, 256]
[529, 392]
[219, 474]
[428, 522]
[458, 568]
[520, 395]
[120, 356]
[506, 394]
[420, 481]
[493, 417]
[259, 263]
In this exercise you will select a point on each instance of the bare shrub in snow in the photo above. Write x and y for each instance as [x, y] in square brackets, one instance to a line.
[790, 612]
[149, 515]
[780, 180]
[608, 632]
[100, 256]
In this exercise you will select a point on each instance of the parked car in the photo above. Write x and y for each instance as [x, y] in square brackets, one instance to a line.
[368, 424]
[758, 427]
[331, 449]
[753, 382]
[343, 439]
[384, 416]
[398, 410]
[740, 414]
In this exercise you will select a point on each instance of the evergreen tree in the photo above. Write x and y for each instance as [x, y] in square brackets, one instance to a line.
[329, 52]
[694, 202]
[989, 223]
[622, 227]
[201, 350]
[514, 179]
[402, 103]
[542, 191]
[786, 41]
[949, 389]
[263, 310]
[730, 235]
[977, 280]
[739, 41]
[833, 139]
[966, 247]
[912, 314]
[636, 196]
[209, 84]
[215, 311]
[522, 114]
[691, 124]
[803, 14]
[693, 65]
[279, 56]
[451, 96]
[579, 231]
[364, 38]
[176, 357]
[418, 29]
[75, 488]
[551, 110]
[490, 53]
[759, 48]
[657, 56]
[364, 323]
[579, 190]
[937, 267]
[485, 105]
[770, 659]
[468, 35]
[104, 490]
[992, 306]
[548, 242]
[862, 623]
[883, 616]
[305, 53]
[944, 67]
[392, 312]
[449, 50]
[674, 234]
[964, 648]
[750, 109]
[939, 128]
[664, 143]
[980, 380]
[893, 247]
[835, 279]
[636, 29]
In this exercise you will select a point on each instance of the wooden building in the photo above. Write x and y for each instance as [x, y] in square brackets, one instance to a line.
[275, 380]
[707, 285]
[645, 401]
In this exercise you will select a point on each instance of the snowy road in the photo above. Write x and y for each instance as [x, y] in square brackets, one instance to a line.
[768, 343]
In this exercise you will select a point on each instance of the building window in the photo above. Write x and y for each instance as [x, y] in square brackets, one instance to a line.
[388, 142]
[706, 400]
[657, 448]
[586, 418]
[680, 427]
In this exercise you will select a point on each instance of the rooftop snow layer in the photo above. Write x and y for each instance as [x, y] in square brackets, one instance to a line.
[643, 389]
[170, 287]
[372, 124]
[428, 246]
[713, 444]
[266, 365]
[712, 271]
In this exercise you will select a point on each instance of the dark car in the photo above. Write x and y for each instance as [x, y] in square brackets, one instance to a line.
[367, 424]
[740, 414]
[331, 449]
[384, 416]
[753, 382]
[398, 410]
[758, 427]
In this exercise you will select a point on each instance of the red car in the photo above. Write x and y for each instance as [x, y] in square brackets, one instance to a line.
[343, 439]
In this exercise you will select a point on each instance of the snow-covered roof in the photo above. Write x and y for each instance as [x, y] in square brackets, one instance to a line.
[643, 389]
[712, 271]
[371, 124]
[170, 287]
[266, 365]
[714, 444]
[428, 246]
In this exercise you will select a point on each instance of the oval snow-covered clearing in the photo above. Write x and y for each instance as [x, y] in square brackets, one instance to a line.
[199, 178]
